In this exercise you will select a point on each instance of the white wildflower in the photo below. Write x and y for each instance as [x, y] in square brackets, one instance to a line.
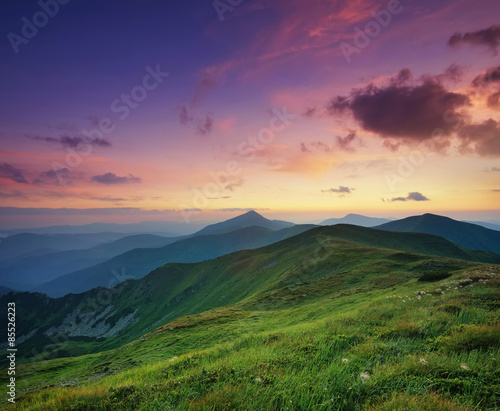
[364, 376]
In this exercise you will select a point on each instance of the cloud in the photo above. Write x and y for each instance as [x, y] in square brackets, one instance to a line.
[207, 83]
[492, 75]
[85, 211]
[240, 210]
[482, 138]
[310, 112]
[12, 173]
[415, 196]
[345, 143]
[342, 191]
[402, 109]
[60, 177]
[317, 145]
[13, 194]
[453, 73]
[206, 125]
[184, 117]
[112, 179]
[74, 142]
[493, 100]
[489, 37]
[340, 143]
[494, 169]
[219, 198]
[484, 83]
[109, 199]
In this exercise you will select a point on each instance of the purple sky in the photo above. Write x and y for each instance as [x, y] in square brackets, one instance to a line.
[200, 110]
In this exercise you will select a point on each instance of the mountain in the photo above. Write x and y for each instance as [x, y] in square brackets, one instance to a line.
[38, 244]
[249, 219]
[327, 262]
[139, 262]
[485, 224]
[28, 272]
[164, 228]
[5, 290]
[356, 219]
[465, 234]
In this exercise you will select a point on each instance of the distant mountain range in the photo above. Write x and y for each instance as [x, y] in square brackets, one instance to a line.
[164, 228]
[465, 234]
[139, 262]
[27, 272]
[356, 219]
[58, 264]
[38, 244]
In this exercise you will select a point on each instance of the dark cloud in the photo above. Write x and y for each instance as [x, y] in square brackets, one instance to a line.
[12, 173]
[482, 138]
[342, 191]
[74, 142]
[59, 177]
[205, 126]
[484, 82]
[113, 179]
[415, 196]
[184, 117]
[494, 169]
[489, 37]
[403, 109]
[492, 75]
[453, 73]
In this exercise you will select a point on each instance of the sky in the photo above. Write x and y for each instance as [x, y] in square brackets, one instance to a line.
[124, 111]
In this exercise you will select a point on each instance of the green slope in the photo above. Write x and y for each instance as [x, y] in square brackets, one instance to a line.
[467, 235]
[341, 254]
[372, 338]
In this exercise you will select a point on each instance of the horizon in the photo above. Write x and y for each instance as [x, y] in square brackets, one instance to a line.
[124, 112]
[206, 222]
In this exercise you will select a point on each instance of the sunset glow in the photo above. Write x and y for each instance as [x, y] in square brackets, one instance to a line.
[300, 109]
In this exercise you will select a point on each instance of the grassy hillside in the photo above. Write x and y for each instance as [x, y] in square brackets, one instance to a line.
[371, 340]
[465, 234]
[103, 319]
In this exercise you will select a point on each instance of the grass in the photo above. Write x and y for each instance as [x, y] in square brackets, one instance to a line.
[334, 342]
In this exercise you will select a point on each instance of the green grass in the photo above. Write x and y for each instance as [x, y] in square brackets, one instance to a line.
[299, 345]
[336, 261]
